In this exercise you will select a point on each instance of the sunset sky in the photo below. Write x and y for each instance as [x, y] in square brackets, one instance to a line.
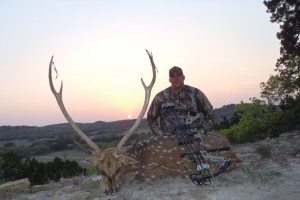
[225, 48]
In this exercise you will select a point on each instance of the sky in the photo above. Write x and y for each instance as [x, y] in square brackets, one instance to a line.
[225, 48]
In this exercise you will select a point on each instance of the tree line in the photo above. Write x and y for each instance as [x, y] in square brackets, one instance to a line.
[14, 167]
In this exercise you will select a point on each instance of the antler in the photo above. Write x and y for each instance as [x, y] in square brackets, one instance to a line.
[58, 97]
[146, 102]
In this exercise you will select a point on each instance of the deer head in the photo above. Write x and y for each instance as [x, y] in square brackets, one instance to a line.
[110, 160]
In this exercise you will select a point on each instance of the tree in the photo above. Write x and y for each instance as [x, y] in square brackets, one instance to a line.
[35, 171]
[1, 168]
[257, 120]
[12, 166]
[287, 14]
[9, 144]
[286, 82]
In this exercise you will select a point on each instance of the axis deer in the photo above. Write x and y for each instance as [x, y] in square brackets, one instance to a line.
[151, 158]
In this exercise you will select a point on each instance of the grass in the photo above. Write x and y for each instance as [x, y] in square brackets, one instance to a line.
[107, 144]
[91, 169]
[140, 178]
[274, 173]
[264, 151]
[250, 173]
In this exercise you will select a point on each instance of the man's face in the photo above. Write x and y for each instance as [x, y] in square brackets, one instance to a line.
[177, 80]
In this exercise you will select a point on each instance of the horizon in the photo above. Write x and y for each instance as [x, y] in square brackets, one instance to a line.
[126, 119]
[226, 49]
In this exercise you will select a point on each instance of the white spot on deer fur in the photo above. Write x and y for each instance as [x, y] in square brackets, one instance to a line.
[147, 141]
[165, 151]
[153, 176]
[178, 170]
[182, 149]
[143, 166]
[152, 146]
[174, 148]
[155, 138]
[160, 142]
[178, 162]
[156, 150]
[153, 153]
[170, 158]
[165, 137]
[161, 157]
[158, 146]
[166, 167]
[152, 165]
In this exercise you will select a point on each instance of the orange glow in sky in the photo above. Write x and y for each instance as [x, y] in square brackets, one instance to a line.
[225, 48]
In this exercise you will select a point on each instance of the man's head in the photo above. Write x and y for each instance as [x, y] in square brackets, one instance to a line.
[176, 77]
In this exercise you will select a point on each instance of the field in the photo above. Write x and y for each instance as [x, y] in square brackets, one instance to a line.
[73, 155]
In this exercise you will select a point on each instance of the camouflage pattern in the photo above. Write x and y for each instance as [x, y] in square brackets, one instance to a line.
[189, 101]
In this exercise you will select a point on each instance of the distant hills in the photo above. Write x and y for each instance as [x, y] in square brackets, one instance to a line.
[96, 130]
[225, 112]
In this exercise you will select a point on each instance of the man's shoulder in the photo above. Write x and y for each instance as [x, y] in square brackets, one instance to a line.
[162, 94]
[165, 91]
[189, 88]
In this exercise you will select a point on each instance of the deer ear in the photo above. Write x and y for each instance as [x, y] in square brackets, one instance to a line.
[127, 160]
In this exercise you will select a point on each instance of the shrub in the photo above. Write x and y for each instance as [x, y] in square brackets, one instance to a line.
[264, 151]
[39, 148]
[140, 178]
[9, 144]
[91, 169]
[258, 120]
[108, 144]
[12, 167]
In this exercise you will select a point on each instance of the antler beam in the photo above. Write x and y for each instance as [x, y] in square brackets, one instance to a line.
[146, 102]
[58, 97]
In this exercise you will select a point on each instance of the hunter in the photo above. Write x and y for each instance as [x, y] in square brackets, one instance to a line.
[189, 103]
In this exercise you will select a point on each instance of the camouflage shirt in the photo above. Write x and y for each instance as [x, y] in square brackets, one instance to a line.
[188, 100]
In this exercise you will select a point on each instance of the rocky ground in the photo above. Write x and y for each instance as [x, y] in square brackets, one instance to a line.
[270, 169]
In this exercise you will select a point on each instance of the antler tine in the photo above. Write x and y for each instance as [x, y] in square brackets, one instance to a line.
[146, 102]
[58, 97]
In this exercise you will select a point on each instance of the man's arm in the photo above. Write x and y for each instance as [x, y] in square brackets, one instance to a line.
[153, 115]
[205, 107]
